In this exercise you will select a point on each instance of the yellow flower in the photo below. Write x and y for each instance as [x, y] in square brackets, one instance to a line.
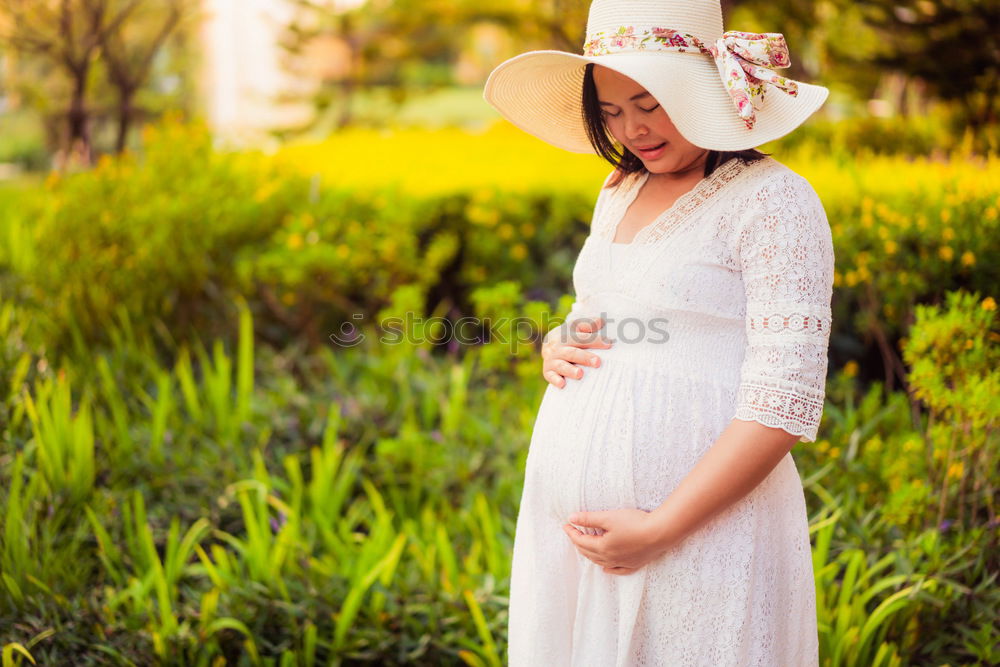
[968, 258]
[505, 231]
[835, 452]
[956, 469]
[295, 241]
[863, 487]
[343, 251]
[528, 230]
[946, 253]
[989, 303]
[851, 368]
[891, 247]
[945, 216]
[969, 344]
[265, 191]
[519, 251]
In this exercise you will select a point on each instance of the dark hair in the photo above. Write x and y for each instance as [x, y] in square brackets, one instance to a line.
[624, 160]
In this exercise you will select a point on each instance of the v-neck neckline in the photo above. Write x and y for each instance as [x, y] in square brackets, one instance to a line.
[633, 194]
[666, 224]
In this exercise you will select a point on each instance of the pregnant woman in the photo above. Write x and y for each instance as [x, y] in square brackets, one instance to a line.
[663, 520]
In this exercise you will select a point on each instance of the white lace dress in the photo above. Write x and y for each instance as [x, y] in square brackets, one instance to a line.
[720, 309]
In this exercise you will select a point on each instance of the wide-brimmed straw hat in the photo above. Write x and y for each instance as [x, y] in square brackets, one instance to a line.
[720, 89]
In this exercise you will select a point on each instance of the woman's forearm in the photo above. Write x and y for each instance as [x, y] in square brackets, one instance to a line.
[737, 462]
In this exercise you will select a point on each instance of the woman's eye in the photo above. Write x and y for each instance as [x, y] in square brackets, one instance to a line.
[615, 115]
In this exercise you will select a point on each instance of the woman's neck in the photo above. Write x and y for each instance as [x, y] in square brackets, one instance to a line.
[692, 172]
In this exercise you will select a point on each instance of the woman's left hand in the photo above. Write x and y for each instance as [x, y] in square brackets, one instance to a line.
[631, 539]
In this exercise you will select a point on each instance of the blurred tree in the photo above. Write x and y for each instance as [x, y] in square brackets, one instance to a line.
[558, 24]
[396, 44]
[129, 49]
[952, 45]
[67, 44]
[66, 34]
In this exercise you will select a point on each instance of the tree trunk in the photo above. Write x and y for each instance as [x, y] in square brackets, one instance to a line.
[78, 127]
[126, 113]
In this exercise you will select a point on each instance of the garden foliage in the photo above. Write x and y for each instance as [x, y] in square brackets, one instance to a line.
[193, 469]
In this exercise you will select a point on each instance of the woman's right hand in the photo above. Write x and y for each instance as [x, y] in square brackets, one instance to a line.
[560, 358]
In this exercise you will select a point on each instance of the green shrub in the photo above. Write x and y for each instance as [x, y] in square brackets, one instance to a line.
[954, 354]
[155, 235]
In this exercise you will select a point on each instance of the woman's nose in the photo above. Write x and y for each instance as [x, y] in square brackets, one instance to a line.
[635, 128]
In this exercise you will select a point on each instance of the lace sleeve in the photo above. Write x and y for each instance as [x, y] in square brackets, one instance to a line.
[786, 257]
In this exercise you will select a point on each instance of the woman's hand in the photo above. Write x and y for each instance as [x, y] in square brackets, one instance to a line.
[560, 357]
[630, 539]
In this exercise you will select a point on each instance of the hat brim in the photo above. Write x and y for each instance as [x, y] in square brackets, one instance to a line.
[541, 93]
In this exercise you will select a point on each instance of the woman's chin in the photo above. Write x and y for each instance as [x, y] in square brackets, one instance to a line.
[665, 165]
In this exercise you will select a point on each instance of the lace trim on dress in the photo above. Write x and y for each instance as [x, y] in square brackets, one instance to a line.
[686, 204]
[791, 322]
[792, 406]
[669, 219]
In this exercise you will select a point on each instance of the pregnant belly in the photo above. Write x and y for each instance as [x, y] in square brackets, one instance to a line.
[580, 457]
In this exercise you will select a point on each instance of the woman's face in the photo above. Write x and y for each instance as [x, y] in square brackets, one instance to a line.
[640, 124]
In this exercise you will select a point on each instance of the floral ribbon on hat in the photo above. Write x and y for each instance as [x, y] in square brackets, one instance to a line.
[743, 59]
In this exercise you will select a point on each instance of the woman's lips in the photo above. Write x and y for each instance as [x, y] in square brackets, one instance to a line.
[653, 152]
